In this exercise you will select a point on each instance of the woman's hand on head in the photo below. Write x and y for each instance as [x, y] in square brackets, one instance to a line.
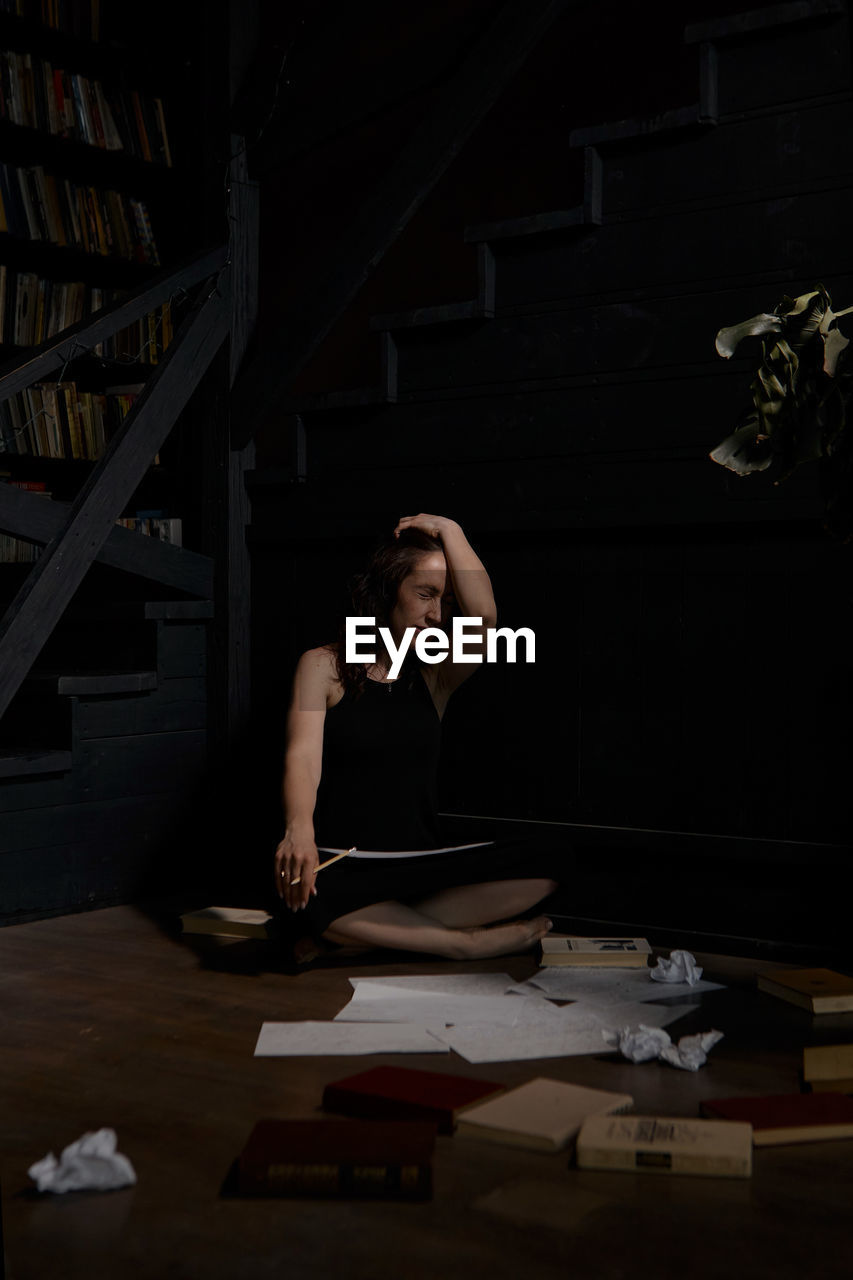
[435, 526]
[296, 858]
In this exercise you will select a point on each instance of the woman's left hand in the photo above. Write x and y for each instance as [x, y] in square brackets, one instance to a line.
[435, 526]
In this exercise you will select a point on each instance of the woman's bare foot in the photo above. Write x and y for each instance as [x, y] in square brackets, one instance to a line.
[504, 939]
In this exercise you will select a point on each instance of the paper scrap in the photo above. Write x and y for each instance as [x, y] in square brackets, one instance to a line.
[574, 1030]
[309, 1039]
[92, 1163]
[391, 1004]
[452, 984]
[606, 987]
[646, 1043]
[680, 967]
[560, 1205]
[517, 1044]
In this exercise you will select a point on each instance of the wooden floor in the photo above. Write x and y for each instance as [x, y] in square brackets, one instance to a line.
[109, 1020]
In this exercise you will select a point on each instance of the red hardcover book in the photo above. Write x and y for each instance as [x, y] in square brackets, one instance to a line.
[787, 1117]
[343, 1158]
[403, 1093]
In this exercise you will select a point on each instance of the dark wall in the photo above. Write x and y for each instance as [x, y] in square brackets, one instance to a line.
[689, 623]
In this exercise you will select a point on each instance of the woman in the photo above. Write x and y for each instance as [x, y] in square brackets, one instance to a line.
[360, 767]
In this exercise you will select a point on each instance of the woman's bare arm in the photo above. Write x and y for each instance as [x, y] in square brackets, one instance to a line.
[472, 590]
[296, 856]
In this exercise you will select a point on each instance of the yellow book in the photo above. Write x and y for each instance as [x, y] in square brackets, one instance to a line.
[227, 922]
[621, 953]
[829, 1068]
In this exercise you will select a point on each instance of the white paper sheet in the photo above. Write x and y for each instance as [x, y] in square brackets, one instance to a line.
[577, 1030]
[607, 987]
[454, 984]
[392, 1004]
[297, 1039]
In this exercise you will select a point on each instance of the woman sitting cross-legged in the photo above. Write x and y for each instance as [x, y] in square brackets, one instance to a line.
[360, 771]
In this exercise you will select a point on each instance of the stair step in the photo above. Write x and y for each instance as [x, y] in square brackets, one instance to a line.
[450, 313]
[536, 224]
[741, 24]
[630, 130]
[90, 683]
[19, 762]
[480, 308]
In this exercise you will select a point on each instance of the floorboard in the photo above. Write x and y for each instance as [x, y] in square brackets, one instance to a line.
[111, 1020]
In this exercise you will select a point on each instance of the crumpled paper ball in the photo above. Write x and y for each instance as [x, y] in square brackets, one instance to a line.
[90, 1163]
[646, 1043]
[680, 967]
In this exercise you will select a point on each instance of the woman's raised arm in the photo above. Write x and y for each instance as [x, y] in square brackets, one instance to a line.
[471, 587]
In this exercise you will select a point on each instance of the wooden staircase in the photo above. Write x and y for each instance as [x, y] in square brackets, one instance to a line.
[105, 710]
[569, 299]
[98, 763]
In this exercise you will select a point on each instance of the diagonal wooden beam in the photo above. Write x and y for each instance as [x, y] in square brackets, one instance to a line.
[54, 353]
[26, 515]
[341, 269]
[62, 565]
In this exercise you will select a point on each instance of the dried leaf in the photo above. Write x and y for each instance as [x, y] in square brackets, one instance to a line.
[745, 450]
[833, 344]
[799, 396]
[728, 339]
[794, 306]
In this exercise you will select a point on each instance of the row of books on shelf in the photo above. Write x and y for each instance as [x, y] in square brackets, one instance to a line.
[57, 420]
[35, 205]
[151, 524]
[33, 309]
[38, 95]
[78, 18]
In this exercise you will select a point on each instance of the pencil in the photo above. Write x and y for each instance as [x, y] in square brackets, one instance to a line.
[328, 863]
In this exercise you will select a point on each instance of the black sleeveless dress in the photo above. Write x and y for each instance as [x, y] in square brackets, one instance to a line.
[378, 792]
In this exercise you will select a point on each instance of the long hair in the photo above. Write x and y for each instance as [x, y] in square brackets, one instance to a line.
[373, 594]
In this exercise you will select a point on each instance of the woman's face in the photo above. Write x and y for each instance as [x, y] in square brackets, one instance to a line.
[424, 598]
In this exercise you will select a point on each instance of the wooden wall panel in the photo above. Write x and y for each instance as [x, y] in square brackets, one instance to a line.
[788, 64]
[790, 151]
[181, 650]
[175, 704]
[680, 252]
[656, 332]
[79, 877]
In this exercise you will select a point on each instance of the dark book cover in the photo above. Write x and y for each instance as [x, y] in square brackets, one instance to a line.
[787, 1117]
[402, 1093]
[339, 1158]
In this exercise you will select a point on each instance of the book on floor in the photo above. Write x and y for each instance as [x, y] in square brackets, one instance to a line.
[343, 1158]
[666, 1144]
[818, 990]
[227, 922]
[828, 1068]
[543, 1114]
[622, 953]
[402, 1093]
[787, 1117]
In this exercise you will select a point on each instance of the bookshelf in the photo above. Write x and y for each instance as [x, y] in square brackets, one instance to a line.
[92, 177]
[113, 441]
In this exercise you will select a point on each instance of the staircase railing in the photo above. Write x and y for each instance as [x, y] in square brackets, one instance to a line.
[78, 533]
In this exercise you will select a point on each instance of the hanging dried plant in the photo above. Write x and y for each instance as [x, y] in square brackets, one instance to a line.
[800, 397]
